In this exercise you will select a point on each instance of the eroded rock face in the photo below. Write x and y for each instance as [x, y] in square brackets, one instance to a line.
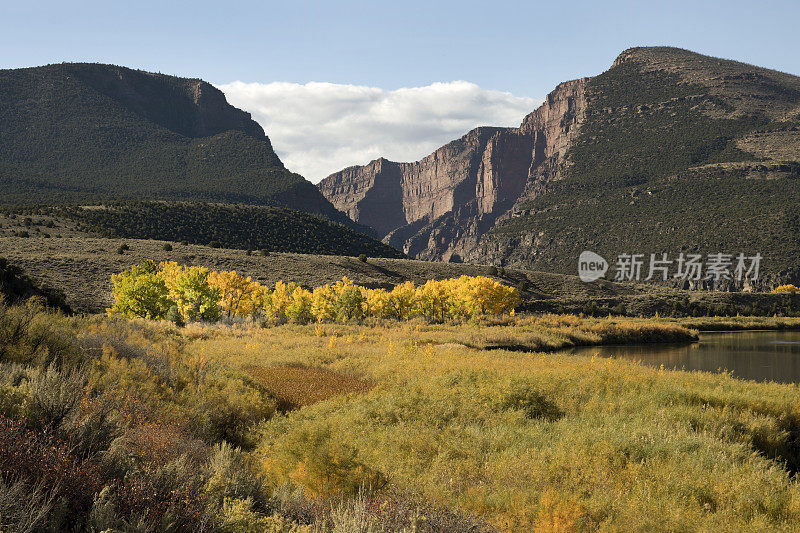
[437, 208]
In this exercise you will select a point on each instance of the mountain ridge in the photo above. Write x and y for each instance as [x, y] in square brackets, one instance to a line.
[88, 132]
[657, 112]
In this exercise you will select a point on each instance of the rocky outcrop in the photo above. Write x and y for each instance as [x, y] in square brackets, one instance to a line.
[188, 106]
[438, 207]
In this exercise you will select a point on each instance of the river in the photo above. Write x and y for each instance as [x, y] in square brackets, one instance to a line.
[753, 355]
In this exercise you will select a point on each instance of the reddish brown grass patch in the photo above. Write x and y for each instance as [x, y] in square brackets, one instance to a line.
[296, 386]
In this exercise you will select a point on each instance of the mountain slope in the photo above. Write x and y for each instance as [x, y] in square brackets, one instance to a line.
[89, 132]
[667, 151]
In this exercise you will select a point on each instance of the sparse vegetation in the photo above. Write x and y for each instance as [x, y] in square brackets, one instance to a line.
[16, 286]
[81, 266]
[658, 166]
[152, 145]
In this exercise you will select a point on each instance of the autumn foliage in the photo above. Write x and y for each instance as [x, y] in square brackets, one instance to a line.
[786, 288]
[150, 291]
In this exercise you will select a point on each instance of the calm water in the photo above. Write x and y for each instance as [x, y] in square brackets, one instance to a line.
[756, 355]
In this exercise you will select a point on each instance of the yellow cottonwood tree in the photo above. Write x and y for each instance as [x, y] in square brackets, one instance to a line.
[235, 291]
[190, 290]
[402, 301]
[140, 292]
[377, 302]
[260, 298]
[323, 303]
[786, 288]
[299, 308]
[433, 300]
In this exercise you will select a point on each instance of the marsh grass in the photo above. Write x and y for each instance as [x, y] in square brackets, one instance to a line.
[183, 426]
[531, 440]
[564, 443]
[739, 323]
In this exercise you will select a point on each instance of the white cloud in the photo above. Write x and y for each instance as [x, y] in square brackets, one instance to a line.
[319, 128]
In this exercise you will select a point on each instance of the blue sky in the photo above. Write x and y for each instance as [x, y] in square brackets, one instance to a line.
[520, 48]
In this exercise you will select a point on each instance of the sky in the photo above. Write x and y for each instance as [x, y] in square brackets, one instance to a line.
[340, 83]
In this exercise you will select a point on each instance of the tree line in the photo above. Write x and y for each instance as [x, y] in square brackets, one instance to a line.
[183, 294]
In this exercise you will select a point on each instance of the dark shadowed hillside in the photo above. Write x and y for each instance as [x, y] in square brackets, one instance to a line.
[274, 229]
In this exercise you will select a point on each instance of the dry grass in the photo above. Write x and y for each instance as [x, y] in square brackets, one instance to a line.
[527, 441]
[722, 323]
[295, 386]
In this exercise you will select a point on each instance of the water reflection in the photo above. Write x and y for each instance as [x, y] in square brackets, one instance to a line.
[755, 355]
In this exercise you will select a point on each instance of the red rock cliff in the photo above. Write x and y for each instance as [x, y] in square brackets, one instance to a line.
[438, 207]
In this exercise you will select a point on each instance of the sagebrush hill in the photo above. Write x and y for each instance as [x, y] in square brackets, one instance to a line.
[667, 151]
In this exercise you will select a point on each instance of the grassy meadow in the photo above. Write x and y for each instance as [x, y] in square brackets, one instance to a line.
[531, 440]
[117, 424]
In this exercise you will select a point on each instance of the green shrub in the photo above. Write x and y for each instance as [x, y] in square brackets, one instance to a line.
[225, 405]
[167, 247]
[325, 465]
[237, 226]
[174, 315]
[30, 335]
[362, 258]
[233, 474]
[525, 397]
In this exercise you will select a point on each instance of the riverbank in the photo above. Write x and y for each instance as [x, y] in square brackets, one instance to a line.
[736, 323]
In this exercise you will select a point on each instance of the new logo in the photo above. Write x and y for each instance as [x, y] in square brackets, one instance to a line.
[591, 266]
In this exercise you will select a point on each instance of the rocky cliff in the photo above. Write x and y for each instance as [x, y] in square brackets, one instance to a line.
[439, 207]
[667, 151]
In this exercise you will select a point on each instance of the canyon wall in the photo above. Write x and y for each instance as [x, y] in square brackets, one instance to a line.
[438, 207]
